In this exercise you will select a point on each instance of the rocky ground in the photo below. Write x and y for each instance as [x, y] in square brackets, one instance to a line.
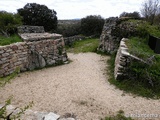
[79, 89]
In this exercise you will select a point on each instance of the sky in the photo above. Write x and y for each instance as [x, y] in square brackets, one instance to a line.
[73, 9]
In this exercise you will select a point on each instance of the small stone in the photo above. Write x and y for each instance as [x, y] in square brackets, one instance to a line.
[51, 116]
[66, 119]
[14, 47]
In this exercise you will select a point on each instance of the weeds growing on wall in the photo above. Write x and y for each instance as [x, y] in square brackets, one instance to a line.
[9, 40]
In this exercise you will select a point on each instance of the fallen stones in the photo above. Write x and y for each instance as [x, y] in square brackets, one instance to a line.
[35, 115]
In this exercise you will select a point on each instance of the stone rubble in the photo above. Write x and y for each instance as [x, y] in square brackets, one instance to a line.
[35, 115]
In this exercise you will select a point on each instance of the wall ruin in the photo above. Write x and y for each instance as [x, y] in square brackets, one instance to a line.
[27, 55]
[123, 61]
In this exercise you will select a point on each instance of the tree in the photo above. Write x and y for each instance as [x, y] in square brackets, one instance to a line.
[135, 15]
[39, 15]
[150, 9]
[92, 25]
[9, 23]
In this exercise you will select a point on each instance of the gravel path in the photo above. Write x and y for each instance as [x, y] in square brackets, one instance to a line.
[80, 87]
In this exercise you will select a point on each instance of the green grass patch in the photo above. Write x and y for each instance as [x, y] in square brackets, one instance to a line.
[87, 45]
[9, 40]
[139, 47]
[7, 79]
[144, 79]
[120, 116]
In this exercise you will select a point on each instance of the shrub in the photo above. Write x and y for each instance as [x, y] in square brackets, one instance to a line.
[92, 25]
[9, 23]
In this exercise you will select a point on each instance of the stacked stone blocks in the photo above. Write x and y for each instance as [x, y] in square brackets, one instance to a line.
[30, 54]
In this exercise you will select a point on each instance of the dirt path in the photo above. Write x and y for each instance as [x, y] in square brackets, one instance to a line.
[80, 87]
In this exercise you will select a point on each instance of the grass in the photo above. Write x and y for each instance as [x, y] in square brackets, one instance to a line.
[139, 47]
[9, 40]
[144, 28]
[146, 79]
[87, 45]
[119, 116]
[4, 80]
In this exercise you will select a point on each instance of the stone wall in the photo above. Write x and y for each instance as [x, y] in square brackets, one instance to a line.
[108, 42]
[123, 61]
[31, 55]
[30, 37]
[37, 51]
[30, 29]
[13, 56]
[114, 30]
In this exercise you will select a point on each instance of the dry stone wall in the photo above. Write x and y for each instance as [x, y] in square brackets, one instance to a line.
[123, 61]
[30, 29]
[12, 57]
[114, 30]
[31, 55]
[108, 42]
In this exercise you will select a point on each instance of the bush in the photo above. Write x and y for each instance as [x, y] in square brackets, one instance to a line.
[134, 15]
[92, 25]
[9, 23]
[144, 29]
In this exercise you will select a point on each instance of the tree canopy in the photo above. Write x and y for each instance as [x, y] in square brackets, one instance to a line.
[135, 15]
[92, 25]
[9, 23]
[39, 15]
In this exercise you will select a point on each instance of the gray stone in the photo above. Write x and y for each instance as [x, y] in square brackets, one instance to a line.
[36, 61]
[51, 116]
[40, 52]
[66, 119]
[30, 29]
[108, 42]
[30, 37]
